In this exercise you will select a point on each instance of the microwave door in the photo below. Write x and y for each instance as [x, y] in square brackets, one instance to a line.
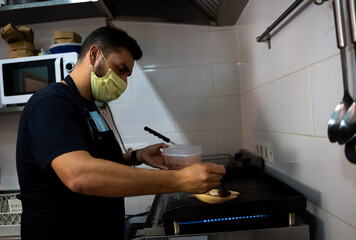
[21, 79]
[58, 69]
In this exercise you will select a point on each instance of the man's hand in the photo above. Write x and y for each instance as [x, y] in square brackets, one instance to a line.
[151, 156]
[201, 177]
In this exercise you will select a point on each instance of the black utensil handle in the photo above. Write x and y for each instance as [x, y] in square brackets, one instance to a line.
[341, 39]
[350, 150]
[167, 140]
[339, 23]
[352, 16]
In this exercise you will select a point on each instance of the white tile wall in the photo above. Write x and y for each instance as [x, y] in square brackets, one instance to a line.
[276, 109]
[229, 141]
[308, 39]
[7, 154]
[8, 175]
[180, 82]
[156, 51]
[265, 18]
[132, 117]
[332, 227]
[256, 66]
[287, 96]
[207, 139]
[8, 127]
[246, 32]
[225, 79]
[289, 111]
[254, 20]
[194, 114]
[203, 47]
[327, 71]
[8, 130]
[138, 29]
[226, 112]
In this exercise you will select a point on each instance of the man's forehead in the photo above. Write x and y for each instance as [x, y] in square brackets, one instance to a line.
[124, 53]
[123, 58]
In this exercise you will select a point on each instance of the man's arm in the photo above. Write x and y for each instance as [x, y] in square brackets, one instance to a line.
[82, 173]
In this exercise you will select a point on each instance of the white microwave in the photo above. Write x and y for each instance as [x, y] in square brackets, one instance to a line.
[21, 77]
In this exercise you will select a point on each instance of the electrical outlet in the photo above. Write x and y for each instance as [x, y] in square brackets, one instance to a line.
[265, 151]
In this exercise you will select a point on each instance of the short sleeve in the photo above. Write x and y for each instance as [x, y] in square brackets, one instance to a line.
[55, 127]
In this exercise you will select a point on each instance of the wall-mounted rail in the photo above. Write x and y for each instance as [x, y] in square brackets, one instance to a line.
[266, 35]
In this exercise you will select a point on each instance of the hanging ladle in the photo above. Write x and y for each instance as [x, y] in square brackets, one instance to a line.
[348, 124]
[341, 108]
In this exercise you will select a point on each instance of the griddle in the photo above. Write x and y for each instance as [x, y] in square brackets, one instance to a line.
[264, 202]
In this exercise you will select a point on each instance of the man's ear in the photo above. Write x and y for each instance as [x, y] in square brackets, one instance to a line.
[94, 53]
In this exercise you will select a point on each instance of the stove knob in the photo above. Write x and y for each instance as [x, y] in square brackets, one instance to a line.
[69, 67]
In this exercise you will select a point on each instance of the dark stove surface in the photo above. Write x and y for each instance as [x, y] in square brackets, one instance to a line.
[259, 194]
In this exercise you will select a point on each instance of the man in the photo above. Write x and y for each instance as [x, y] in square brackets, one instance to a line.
[72, 173]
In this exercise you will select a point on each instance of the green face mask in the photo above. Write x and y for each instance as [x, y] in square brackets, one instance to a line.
[107, 88]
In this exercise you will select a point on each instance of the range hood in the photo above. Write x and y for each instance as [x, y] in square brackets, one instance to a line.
[201, 12]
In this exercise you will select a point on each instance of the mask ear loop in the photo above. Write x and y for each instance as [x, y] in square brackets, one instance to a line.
[104, 58]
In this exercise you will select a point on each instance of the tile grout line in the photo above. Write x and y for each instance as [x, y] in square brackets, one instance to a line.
[213, 78]
[333, 215]
[289, 74]
[185, 33]
[311, 101]
[170, 50]
[175, 99]
[217, 141]
[251, 46]
[188, 65]
[284, 133]
[189, 131]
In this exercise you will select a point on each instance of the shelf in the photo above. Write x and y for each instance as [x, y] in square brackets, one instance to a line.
[5, 110]
[56, 10]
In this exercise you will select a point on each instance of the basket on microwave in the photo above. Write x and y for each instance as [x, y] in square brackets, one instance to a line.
[10, 210]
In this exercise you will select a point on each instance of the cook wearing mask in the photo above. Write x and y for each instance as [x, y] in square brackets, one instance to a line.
[73, 176]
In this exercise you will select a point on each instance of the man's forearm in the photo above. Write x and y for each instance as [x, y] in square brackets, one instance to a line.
[110, 179]
[84, 174]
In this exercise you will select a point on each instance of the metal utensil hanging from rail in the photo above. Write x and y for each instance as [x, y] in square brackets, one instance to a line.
[266, 35]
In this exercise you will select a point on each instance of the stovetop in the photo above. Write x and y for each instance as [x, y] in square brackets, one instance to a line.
[263, 199]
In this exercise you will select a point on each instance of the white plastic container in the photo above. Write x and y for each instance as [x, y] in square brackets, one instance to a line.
[180, 156]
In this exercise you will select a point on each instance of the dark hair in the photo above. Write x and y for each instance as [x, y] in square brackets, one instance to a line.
[110, 39]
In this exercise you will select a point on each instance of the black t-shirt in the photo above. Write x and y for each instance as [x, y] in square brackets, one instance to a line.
[53, 123]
